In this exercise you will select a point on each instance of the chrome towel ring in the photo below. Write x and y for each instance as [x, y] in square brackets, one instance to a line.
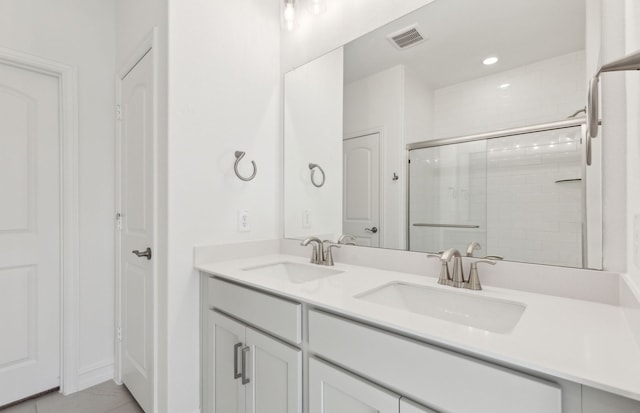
[312, 168]
[239, 156]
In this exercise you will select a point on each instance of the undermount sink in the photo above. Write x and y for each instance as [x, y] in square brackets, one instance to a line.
[294, 272]
[491, 314]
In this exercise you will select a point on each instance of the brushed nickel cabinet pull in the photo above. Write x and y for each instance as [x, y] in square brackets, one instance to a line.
[236, 373]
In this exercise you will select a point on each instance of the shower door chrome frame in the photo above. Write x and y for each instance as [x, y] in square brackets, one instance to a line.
[503, 133]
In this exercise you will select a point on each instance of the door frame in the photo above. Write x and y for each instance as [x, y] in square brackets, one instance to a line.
[149, 43]
[67, 78]
[381, 173]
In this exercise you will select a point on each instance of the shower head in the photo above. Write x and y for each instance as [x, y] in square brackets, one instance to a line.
[629, 62]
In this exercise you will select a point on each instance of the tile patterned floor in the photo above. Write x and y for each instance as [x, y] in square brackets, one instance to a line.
[106, 397]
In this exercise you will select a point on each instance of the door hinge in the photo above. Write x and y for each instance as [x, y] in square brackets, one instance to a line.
[118, 334]
[118, 220]
[118, 112]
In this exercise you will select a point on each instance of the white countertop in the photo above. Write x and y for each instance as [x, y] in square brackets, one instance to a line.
[580, 341]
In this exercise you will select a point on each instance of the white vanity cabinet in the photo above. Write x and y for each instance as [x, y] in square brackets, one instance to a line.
[437, 377]
[255, 344]
[407, 406]
[246, 370]
[333, 390]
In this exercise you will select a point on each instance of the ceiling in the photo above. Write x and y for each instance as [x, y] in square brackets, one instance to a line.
[461, 33]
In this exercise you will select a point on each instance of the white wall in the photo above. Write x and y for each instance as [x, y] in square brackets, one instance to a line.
[225, 95]
[376, 104]
[633, 145]
[81, 33]
[313, 100]
[544, 91]
[418, 107]
[613, 136]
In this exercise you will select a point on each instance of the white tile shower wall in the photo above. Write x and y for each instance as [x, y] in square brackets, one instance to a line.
[530, 216]
[544, 91]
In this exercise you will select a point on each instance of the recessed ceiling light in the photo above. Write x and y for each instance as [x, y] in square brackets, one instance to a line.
[491, 60]
[504, 85]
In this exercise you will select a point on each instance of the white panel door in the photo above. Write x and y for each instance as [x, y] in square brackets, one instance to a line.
[276, 375]
[335, 391]
[29, 233]
[137, 221]
[225, 366]
[407, 406]
[361, 209]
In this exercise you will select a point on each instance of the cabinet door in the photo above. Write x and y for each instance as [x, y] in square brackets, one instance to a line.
[228, 392]
[275, 384]
[407, 406]
[332, 390]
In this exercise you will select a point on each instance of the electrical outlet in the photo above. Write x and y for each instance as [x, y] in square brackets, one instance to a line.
[636, 240]
[243, 220]
[306, 219]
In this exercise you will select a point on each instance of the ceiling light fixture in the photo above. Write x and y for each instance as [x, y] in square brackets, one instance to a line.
[491, 60]
[289, 14]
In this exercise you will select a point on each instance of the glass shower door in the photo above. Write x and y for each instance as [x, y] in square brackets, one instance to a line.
[447, 197]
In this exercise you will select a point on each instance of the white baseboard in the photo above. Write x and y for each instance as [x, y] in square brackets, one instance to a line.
[95, 374]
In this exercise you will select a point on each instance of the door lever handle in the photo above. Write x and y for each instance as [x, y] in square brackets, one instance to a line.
[145, 253]
[372, 230]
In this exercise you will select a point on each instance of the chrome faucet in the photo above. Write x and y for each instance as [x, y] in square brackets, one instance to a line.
[456, 277]
[317, 255]
[474, 281]
[473, 246]
[445, 276]
[328, 254]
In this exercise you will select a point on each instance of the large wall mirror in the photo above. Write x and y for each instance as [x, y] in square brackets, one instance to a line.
[462, 121]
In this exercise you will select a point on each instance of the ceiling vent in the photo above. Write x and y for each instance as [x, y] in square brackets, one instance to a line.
[406, 37]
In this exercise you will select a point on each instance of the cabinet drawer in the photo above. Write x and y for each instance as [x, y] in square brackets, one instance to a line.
[332, 390]
[430, 375]
[280, 317]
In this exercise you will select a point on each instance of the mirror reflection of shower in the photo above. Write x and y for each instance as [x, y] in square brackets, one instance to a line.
[521, 197]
